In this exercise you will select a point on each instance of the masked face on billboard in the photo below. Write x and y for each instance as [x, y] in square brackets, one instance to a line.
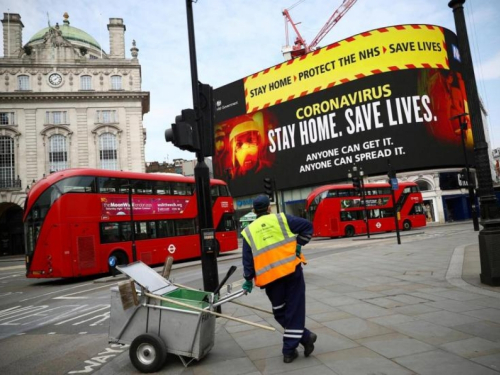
[246, 150]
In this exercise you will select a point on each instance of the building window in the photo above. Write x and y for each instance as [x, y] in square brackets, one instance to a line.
[86, 82]
[7, 118]
[56, 117]
[116, 82]
[58, 154]
[7, 166]
[107, 151]
[23, 82]
[106, 117]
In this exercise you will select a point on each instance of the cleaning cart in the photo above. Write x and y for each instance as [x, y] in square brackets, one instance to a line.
[157, 317]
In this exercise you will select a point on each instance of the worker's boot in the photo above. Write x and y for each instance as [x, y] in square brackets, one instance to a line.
[289, 358]
[309, 345]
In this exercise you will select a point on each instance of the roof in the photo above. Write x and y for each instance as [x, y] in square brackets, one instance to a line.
[70, 33]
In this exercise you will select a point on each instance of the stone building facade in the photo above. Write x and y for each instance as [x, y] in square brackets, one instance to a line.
[64, 103]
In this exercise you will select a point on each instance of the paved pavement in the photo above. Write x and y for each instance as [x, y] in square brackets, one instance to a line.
[416, 308]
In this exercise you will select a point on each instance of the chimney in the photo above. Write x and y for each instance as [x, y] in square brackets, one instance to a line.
[116, 38]
[12, 34]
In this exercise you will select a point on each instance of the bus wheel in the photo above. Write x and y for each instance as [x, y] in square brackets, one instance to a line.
[349, 231]
[406, 225]
[121, 259]
[148, 353]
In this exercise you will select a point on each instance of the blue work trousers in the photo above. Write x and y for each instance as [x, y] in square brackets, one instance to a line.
[288, 298]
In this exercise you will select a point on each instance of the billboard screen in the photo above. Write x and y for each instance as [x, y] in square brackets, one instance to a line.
[389, 93]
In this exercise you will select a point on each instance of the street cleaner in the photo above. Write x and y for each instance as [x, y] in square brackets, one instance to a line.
[272, 256]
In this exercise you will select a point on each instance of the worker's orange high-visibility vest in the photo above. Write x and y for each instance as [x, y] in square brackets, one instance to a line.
[273, 248]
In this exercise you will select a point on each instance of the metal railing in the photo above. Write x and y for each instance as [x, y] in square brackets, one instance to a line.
[10, 183]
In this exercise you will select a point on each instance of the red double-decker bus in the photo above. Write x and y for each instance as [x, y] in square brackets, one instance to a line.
[338, 210]
[77, 221]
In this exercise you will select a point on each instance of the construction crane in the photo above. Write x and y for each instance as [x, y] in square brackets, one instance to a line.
[300, 46]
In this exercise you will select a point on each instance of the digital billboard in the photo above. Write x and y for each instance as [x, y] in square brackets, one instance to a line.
[390, 93]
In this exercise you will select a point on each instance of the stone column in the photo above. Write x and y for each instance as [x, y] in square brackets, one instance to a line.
[12, 34]
[116, 38]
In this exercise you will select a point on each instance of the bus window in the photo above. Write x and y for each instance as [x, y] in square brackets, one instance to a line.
[151, 229]
[125, 233]
[332, 193]
[80, 184]
[166, 228]
[162, 188]
[417, 209]
[214, 191]
[107, 185]
[181, 188]
[141, 230]
[224, 191]
[226, 224]
[142, 186]
[185, 227]
[351, 215]
[110, 232]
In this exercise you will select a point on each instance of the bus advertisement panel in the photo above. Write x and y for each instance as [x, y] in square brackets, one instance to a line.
[337, 210]
[390, 93]
[78, 221]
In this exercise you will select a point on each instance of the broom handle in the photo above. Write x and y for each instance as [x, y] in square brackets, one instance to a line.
[238, 303]
[210, 312]
[251, 307]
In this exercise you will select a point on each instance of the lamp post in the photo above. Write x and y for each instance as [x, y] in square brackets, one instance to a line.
[470, 184]
[489, 236]
[357, 180]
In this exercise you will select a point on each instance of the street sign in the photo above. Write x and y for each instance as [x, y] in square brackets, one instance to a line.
[394, 184]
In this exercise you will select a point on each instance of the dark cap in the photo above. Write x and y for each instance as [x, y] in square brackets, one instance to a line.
[261, 203]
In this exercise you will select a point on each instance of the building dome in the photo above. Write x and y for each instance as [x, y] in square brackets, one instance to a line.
[69, 33]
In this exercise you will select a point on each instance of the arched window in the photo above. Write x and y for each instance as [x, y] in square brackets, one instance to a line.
[23, 82]
[58, 154]
[107, 151]
[7, 164]
[423, 185]
[86, 83]
[116, 82]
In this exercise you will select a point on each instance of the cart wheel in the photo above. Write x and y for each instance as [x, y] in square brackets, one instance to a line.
[148, 353]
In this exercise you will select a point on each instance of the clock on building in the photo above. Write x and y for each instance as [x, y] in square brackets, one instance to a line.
[55, 79]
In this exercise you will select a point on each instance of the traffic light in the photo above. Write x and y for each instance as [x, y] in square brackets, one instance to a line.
[184, 133]
[356, 182]
[208, 118]
[268, 188]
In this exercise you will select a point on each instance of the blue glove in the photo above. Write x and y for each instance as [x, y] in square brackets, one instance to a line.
[248, 286]
[298, 250]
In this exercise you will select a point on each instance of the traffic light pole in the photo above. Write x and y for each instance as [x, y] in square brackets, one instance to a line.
[489, 236]
[201, 172]
[363, 196]
[392, 175]
[470, 186]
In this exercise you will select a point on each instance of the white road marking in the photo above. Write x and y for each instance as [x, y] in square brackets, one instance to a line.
[101, 358]
[51, 333]
[80, 316]
[67, 296]
[24, 310]
[10, 276]
[57, 291]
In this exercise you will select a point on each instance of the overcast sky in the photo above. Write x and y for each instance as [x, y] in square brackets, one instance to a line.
[235, 38]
